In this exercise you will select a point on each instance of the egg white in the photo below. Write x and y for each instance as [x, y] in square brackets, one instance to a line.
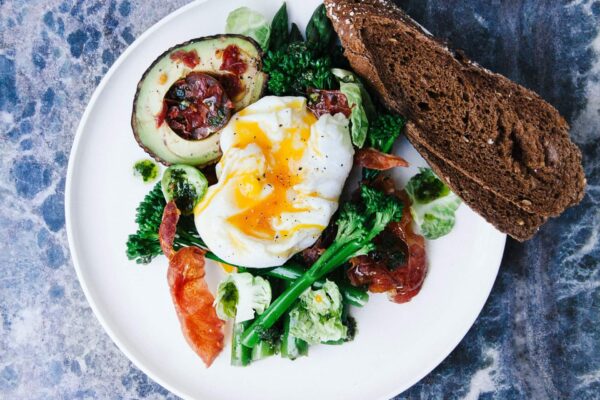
[283, 171]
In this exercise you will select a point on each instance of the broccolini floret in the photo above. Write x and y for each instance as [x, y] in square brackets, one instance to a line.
[383, 132]
[294, 68]
[144, 245]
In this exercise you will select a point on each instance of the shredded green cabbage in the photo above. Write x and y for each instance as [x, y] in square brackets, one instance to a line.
[317, 317]
[360, 101]
[247, 22]
[241, 295]
[433, 204]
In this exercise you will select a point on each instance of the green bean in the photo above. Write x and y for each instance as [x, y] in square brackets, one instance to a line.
[240, 355]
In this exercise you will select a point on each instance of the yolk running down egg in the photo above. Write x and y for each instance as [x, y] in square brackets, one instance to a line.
[279, 182]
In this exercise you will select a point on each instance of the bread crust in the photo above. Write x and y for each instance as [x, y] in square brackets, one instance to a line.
[491, 130]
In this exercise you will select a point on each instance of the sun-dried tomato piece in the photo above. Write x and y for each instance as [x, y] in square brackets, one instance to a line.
[193, 301]
[375, 159]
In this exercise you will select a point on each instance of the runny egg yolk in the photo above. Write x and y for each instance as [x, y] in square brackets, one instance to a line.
[279, 181]
[282, 172]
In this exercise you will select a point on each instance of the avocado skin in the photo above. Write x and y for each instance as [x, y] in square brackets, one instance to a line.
[212, 153]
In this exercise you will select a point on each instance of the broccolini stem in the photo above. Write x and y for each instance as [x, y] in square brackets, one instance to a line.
[356, 296]
[353, 295]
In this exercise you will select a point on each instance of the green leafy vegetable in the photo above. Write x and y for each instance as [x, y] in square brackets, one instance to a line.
[240, 295]
[384, 129]
[184, 184]
[425, 187]
[350, 323]
[344, 76]
[295, 34]
[337, 56]
[358, 117]
[433, 204]
[360, 101]
[279, 29]
[247, 22]
[319, 31]
[291, 346]
[295, 68]
[143, 246]
[317, 316]
[357, 226]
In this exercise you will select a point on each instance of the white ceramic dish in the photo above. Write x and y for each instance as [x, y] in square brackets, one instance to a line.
[396, 346]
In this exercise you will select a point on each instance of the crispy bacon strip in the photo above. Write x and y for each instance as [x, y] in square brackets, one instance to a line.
[375, 159]
[194, 303]
[168, 229]
[379, 270]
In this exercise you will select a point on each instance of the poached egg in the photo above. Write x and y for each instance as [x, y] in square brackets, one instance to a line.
[279, 182]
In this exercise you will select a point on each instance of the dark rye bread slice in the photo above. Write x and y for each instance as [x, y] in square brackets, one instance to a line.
[499, 134]
[504, 215]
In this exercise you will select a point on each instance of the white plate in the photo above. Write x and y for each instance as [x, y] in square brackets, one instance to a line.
[396, 345]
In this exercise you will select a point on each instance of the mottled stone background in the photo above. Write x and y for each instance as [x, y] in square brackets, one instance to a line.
[538, 336]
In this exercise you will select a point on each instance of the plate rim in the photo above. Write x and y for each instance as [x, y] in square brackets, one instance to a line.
[73, 155]
[68, 193]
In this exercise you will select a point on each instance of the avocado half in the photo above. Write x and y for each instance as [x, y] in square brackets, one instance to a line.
[155, 136]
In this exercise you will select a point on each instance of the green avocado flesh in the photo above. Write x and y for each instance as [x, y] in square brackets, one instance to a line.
[154, 134]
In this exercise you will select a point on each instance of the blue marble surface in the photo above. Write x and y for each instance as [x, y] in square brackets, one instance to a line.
[538, 336]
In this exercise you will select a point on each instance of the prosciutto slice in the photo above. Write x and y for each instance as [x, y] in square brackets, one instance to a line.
[168, 228]
[386, 270]
[193, 301]
[328, 102]
[375, 159]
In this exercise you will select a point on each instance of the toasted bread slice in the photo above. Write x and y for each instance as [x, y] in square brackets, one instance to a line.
[504, 215]
[495, 132]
